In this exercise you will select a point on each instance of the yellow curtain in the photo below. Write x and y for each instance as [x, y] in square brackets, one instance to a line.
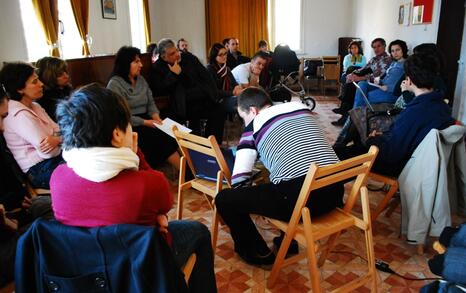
[243, 19]
[81, 15]
[145, 5]
[47, 12]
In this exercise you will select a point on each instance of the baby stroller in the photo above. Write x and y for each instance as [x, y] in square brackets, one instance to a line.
[285, 84]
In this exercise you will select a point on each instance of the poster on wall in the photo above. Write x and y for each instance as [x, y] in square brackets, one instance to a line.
[404, 13]
[422, 11]
[109, 9]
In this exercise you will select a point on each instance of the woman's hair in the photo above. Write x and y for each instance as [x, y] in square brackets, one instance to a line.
[89, 117]
[13, 76]
[3, 95]
[49, 69]
[358, 44]
[152, 49]
[403, 46]
[253, 97]
[123, 59]
[422, 69]
[214, 52]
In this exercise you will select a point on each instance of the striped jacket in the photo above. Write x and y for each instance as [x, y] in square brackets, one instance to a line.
[287, 139]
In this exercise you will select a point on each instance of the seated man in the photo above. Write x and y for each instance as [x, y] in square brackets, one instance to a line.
[288, 140]
[191, 89]
[376, 67]
[235, 57]
[247, 74]
[426, 111]
[182, 45]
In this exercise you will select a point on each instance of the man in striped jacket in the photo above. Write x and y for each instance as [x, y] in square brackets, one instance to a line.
[287, 140]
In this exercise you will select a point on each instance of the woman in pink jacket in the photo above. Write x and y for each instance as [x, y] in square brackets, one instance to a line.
[31, 135]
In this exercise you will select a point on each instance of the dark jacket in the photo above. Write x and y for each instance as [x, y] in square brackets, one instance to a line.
[118, 258]
[192, 89]
[219, 83]
[232, 62]
[51, 98]
[396, 146]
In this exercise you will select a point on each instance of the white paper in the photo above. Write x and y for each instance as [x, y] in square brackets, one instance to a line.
[167, 125]
[374, 84]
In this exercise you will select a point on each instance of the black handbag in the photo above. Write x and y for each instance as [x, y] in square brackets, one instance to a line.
[365, 120]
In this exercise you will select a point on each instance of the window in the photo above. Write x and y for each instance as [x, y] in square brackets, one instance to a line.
[285, 23]
[70, 39]
[136, 17]
[33, 33]
[70, 43]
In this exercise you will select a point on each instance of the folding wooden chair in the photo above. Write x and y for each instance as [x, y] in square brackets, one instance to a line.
[209, 189]
[393, 183]
[331, 71]
[330, 225]
[188, 267]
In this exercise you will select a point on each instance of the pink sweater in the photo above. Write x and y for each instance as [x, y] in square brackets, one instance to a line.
[25, 128]
[131, 197]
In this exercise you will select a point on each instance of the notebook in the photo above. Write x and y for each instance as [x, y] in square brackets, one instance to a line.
[206, 166]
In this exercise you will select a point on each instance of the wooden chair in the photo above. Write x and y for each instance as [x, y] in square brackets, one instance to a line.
[188, 266]
[331, 71]
[393, 183]
[307, 232]
[209, 189]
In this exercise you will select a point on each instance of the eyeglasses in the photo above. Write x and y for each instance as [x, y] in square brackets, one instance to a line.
[222, 54]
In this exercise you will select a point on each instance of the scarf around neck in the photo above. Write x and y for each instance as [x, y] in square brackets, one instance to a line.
[99, 164]
[222, 74]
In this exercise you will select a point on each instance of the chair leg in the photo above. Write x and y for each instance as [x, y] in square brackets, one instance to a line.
[279, 259]
[179, 208]
[383, 204]
[393, 205]
[330, 243]
[311, 252]
[214, 228]
[369, 239]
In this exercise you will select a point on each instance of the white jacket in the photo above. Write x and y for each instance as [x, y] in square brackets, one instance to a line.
[433, 184]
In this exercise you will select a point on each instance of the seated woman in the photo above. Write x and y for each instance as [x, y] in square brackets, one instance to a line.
[227, 87]
[125, 190]
[31, 135]
[383, 89]
[53, 72]
[354, 59]
[128, 82]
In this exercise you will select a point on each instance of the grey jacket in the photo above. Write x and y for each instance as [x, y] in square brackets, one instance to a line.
[433, 184]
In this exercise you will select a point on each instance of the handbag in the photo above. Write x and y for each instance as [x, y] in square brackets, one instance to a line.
[365, 120]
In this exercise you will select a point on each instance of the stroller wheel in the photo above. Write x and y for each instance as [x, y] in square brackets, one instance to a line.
[310, 103]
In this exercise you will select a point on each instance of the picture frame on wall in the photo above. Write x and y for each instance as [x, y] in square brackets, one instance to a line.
[404, 14]
[109, 9]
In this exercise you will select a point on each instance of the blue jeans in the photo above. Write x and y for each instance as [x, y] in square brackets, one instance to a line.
[374, 94]
[194, 237]
[39, 174]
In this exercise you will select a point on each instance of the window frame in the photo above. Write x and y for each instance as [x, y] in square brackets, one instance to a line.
[272, 27]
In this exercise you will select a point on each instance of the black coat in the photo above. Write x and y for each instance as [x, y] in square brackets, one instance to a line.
[191, 90]
[232, 62]
[219, 83]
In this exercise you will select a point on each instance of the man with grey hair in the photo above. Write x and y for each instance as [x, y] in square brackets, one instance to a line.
[192, 90]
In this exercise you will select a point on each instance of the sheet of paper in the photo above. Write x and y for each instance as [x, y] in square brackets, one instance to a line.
[167, 125]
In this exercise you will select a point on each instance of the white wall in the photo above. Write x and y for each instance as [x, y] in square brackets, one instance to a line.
[109, 34]
[177, 19]
[323, 23]
[379, 18]
[12, 41]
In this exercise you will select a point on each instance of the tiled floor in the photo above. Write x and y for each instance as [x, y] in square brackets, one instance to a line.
[235, 276]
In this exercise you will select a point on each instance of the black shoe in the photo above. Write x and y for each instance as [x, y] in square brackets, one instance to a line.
[341, 121]
[338, 110]
[258, 260]
[292, 249]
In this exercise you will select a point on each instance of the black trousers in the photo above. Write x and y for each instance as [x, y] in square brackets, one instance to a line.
[272, 200]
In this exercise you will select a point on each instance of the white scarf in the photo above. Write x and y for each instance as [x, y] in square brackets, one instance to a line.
[99, 164]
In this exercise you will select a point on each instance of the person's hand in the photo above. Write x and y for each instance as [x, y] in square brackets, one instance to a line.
[150, 123]
[157, 119]
[175, 68]
[374, 133]
[253, 79]
[237, 90]
[134, 145]
[49, 143]
[162, 223]
[377, 80]
[27, 202]
[384, 87]
[404, 85]
[350, 78]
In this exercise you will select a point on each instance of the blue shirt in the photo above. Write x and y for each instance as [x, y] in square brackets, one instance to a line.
[394, 72]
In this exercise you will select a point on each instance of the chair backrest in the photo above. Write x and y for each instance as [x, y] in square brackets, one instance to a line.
[207, 146]
[331, 66]
[318, 177]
